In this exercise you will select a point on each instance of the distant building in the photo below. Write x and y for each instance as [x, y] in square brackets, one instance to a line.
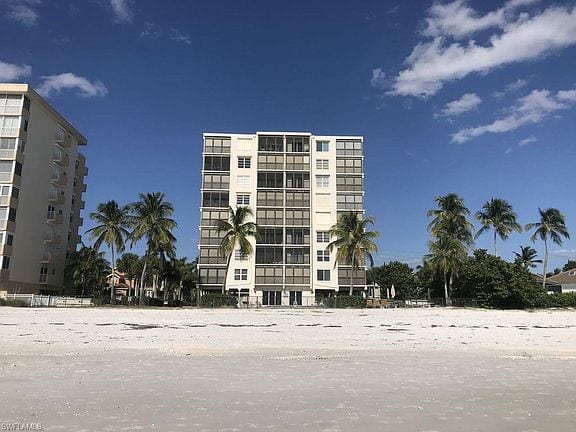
[41, 184]
[563, 282]
[297, 184]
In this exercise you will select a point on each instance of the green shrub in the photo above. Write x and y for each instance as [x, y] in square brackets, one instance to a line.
[345, 302]
[13, 303]
[563, 300]
[217, 300]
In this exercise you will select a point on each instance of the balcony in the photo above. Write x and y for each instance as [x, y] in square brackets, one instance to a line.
[60, 180]
[6, 225]
[47, 257]
[5, 249]
[84, 187]
[54, 218]
[53, 238]
[82, 205]
[80, 222]
[61, 158]
[10, 132]
[4, 275]
[11, 109]
[8, 154]
[56, 196]
[7, 200]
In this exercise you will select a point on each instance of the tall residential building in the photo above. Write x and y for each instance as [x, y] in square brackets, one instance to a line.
[297, 184]
[41, 185]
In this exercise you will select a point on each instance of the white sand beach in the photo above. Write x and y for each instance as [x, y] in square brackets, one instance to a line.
[288, 369]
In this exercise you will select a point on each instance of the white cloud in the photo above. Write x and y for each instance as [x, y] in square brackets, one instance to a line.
[178, 36]
[529, 109]
[11, 72]
[526, 141]
[564, 253]
[69, 81]
[151, 31]
[521, 38]
[121, 10]
[22, 11]
[467, 102]
[508, 151]
[378, 79]
[512, 87]
[458, 20]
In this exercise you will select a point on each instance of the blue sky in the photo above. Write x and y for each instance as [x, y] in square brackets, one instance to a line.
[473, 97]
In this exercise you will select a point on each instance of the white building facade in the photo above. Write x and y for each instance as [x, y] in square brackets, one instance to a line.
[297, 185]
[41, 185]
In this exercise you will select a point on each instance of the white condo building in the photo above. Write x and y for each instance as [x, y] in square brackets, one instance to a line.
[297, 185]
[41, 185]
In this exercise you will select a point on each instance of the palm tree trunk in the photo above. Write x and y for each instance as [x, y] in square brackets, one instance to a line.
[142, 276]
[351, 276]
[495, 249]
[226, 273]
[445, 288]
[112, 296]
[545, 263]
[449, 300]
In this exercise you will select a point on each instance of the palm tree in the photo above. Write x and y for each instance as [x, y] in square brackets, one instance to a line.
[498, 214]
[151, 220]
[450, 219]
[112, 220]
[552, 224]
[237, 233]
[447, 255]
[527, 257]
[86, 270]
[353, 243]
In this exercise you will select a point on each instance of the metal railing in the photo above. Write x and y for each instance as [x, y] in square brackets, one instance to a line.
[37, 300]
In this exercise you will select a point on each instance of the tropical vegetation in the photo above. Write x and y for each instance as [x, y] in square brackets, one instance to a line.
[353, 242]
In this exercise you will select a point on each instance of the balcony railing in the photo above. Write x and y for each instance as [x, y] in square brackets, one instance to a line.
[61, 158]
[5, 177]
[8, 153]
[47, 257]
[54, 218]
[60, 180]
[10, 132]
[56, 196]
[11, 110]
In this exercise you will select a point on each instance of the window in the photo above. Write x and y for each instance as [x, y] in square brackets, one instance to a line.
[5, 191]
[243, 180]
[242, 199]
[12, 215]
[25, 125]
[348, 148]
[7, 143]
[270, 236]
[9, 239]
[298, 255]
[270, 199]
[215, 199]
[240, 256]
[322, 181]
[240, 274]
[15, 192]
[269, 275]
[350, 202]
[297, 275]
[5, 263]
[322, 164]
[295, 298]
[297, 144]
[43, 274]
[322, 236]
[297, 180]
[26, 103]
[271, 298]
[216, 181]
[323, 275]
[297, 199]
[272, 180]
[217, 144]
[216, 163]
[211, 276]
[322, 146]
[18, 169]
[270, 162]
[322, 256]
[297, 217]
[297, 236]
[297, 163]
[349, 183]
[269, 255]
[270, 217]
[244, 162]
[349, 166]
[270, 143]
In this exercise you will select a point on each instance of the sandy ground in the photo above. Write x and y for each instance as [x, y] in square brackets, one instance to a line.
[306, 370]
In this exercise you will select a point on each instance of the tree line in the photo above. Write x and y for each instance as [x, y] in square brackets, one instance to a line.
[148, 220]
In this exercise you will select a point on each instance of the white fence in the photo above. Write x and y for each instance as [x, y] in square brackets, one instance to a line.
[36, 300]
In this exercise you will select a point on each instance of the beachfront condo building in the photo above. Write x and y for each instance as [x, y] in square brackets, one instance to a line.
[297, 185]
[41, 184]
